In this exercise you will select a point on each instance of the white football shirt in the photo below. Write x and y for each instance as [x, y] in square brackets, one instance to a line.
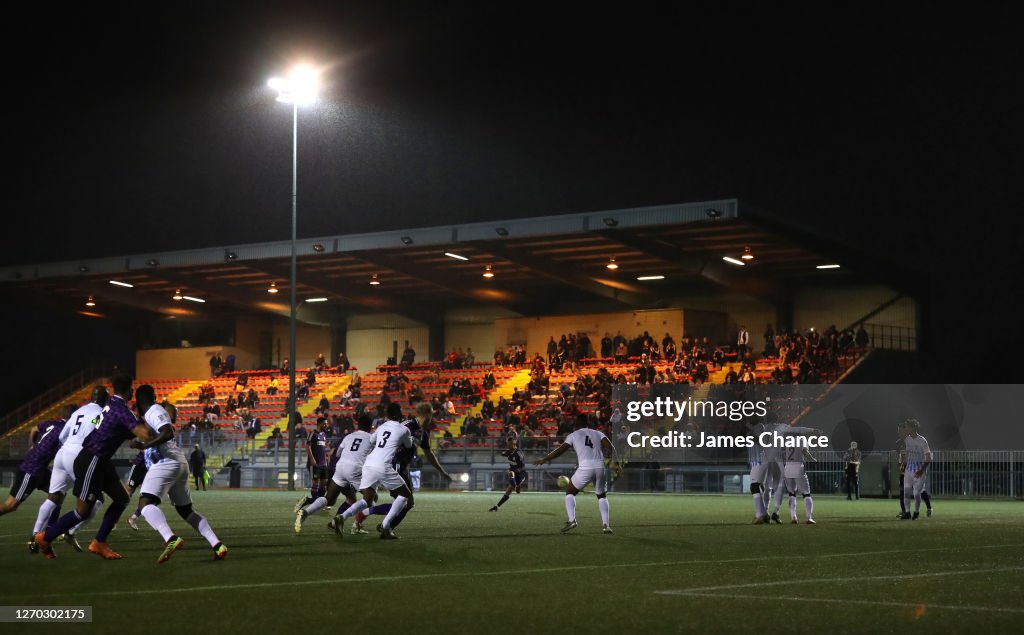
[917, 452]
[354, 448]
[386, 440]
[80, 424]
[587, 444]
[156, 417]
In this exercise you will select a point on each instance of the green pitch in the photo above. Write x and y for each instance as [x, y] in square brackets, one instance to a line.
[675, 564]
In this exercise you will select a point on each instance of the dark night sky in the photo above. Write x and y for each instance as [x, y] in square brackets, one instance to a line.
[153, 131]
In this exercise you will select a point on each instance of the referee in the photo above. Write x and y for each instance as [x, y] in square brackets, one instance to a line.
[852, 472]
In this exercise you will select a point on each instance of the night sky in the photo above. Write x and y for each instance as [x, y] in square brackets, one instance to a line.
[142, 130]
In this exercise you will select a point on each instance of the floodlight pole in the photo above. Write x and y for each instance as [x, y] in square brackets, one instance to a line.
[292, 361]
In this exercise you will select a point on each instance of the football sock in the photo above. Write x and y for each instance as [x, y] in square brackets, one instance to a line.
[602, 504]
[354, 509]
[504, 498]
[927, 498]
[777, 500]
[199, 523]
[156, 519]
[110, 518]
[343, 507]
[399, 517]
[382, 510]
[570, 507]
[758, 505]
[396, 508]
[917, 503]
[316, 505]
[92, 514]
[809, 506]
[45, 511]
[66, 522]
[792, 506]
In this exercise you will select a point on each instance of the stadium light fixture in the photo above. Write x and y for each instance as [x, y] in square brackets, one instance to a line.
[501, 231]
[152, 262]
[273, 288]
[316, 299]
[827, 267]
[747, 254]
[230, 255]
[455, 256]
[407, 240]
[643, 278]
[488, 272]
[713, 213]
[374, 280]
[118, 283]
[611, 222]
[193, 299]
[318, 248]
[90, 302]
[612, 264]
[177, 295]
[733, 261]
[83, 269]
[299, 88]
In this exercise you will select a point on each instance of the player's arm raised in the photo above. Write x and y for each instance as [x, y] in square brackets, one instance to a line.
[432, 458]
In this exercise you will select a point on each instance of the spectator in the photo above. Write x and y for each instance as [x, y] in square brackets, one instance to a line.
[325, 406]
[742, 341]
[861, 339]
[229, 363]
[343, 363]
[197, 463]
[272, 386]
[320, 364]
[215, 365]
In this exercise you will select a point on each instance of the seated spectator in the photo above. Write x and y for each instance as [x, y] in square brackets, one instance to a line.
[252, 399]
[303, 390]
[272, 386]
[343, 363]
[324, 406]
[320, 364]
[285, 367]
[311, 377]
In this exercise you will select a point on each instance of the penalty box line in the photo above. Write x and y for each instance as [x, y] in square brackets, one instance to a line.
[468, 574]
[713, 591]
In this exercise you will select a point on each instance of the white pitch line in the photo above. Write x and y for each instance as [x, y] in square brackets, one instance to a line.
[843, 580]
[910, 605]
[427, 576]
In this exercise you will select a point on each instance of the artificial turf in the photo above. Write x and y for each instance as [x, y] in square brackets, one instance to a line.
[675, 564]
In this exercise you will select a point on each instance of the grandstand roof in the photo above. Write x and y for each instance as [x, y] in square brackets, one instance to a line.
[539, 263]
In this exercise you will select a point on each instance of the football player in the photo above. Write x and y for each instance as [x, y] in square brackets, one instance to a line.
[795, 475]
[348, 471]
[517, 476]
[917, 457]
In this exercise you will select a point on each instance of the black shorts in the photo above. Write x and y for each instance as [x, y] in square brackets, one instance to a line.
[25, 484]
[517, 478]
[136, 474]
[93, 475]
[319, 472]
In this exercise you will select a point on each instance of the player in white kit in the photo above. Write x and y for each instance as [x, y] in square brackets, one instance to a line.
[918, 456]
[795, 476]
[348, 473]
[767, 481]
[379, 469]
[592, 447]
[80, 425]
[167, 477]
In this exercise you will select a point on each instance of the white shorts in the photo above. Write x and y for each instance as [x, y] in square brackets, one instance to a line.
[347, 474]
[773, 475]
[168, 479]
[386, 476]
[912, 482]
[63, 476]
[596, 475]
[796, 478]
[757, 472]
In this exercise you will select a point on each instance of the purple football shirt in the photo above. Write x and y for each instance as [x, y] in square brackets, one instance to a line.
[40, 455]
[116, 425]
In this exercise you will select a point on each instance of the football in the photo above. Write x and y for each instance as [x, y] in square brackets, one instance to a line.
[563, 481]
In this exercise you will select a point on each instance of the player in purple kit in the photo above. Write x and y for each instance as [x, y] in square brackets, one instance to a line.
[34, 470]
[316, 462]
[95, 472]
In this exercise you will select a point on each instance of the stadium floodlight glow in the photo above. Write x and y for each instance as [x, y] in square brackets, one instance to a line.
[90, 302]
[734, 261]
[300, 87]
[612, 264]
[712, 213]
[316, 299]
[464, 478]
[152, 262]
[488, 272]
[83, 269]
[827, 267]
[273, 288]
[374, 280]
[747, 254]
[230, 255]
[455, 256]
[407, 240]
[193, 299]
[118, 283]
[318, 248]
[650, 278]
[177, 295]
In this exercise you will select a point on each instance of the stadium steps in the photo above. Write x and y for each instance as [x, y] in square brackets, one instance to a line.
[183, 391]
[506, 389]
[718, 377]
[77, 398]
